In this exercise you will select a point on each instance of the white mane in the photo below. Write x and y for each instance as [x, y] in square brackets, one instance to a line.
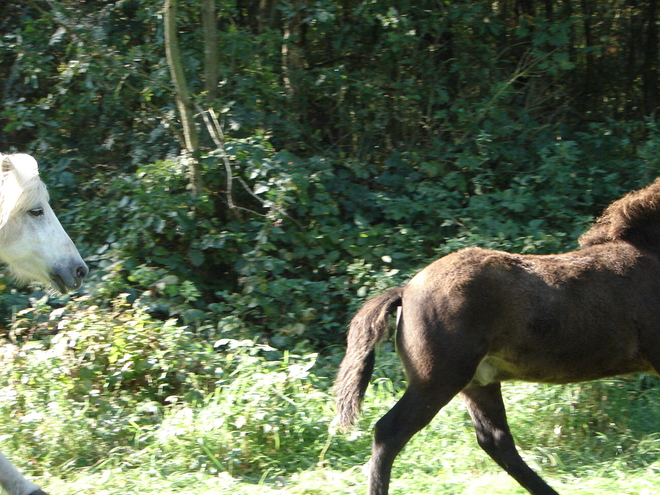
[20, 185]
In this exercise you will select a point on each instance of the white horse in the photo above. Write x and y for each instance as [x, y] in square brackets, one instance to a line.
[36, 248]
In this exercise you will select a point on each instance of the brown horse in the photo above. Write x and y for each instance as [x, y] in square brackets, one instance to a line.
[477, 317]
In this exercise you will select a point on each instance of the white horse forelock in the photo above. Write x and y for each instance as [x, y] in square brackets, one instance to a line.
[20, 185]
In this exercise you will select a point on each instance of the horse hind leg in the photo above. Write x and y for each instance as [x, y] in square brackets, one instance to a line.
[410, 414]
[489, 417]
[439, 364]
[448, 368]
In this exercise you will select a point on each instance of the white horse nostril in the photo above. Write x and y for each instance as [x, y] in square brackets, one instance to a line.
[81, 272]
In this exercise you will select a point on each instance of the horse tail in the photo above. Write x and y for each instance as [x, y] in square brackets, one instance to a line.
[367, 328]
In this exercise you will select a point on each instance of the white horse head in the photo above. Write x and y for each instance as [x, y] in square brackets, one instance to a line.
[33, 243]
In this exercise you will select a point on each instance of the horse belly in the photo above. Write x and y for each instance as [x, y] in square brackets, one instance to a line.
[569, 337]
[549, 368]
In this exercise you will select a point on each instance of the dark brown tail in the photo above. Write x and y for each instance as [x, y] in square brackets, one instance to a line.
[368, 327]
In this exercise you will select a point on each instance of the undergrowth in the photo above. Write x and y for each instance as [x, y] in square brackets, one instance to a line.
[106, 397]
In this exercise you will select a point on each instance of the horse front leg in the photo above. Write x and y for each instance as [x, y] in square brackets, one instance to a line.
[486, 408]
[13, 482]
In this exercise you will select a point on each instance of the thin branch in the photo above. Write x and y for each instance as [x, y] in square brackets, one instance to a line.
[214, 128]
[218, 139]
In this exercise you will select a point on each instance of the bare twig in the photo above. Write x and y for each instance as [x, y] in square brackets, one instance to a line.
[214, 128]
[218, 139]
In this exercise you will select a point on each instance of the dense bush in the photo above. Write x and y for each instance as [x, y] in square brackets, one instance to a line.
[104, 384]
[361, 141]
[299, 263]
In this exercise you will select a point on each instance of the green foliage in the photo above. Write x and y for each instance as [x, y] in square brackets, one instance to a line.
[325, 234]
[404, 132]
[117, 386]
[390, 134]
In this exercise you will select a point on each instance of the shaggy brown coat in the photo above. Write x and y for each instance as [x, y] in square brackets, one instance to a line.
[477, 317]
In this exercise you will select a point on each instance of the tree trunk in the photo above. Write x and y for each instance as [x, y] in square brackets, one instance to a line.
[293, 59]
[650, 67]
[549, 10]
[183, 100]
[589, 76]
[258, 15]
[211, 62]
[524, 8]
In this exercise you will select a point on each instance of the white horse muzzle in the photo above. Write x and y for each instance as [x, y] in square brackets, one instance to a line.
[69, 276]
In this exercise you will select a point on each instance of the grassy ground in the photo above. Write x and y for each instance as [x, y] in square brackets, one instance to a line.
[99, 408]
[322, 482]
[442, 459]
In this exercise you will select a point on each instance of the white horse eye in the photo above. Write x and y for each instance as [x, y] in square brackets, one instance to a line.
[36, 212]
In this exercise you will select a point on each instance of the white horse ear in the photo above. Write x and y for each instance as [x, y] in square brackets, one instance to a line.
[24, 165]
[7, 165]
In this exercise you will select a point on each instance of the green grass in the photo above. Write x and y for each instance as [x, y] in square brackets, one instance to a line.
[442, 459]
[411, 478]
[118, 403]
